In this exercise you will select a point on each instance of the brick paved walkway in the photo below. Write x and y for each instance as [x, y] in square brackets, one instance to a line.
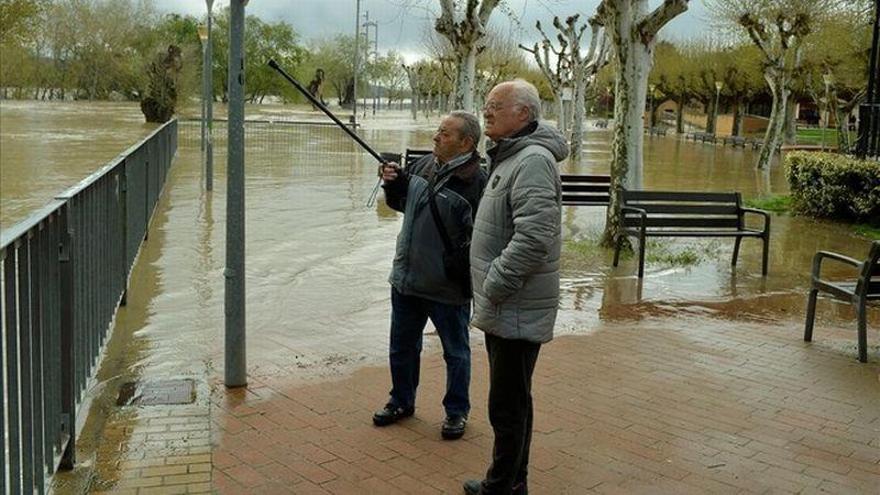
[709, 407]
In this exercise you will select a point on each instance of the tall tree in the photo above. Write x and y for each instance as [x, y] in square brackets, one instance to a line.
[583, 70]
[779, 29]
[556, 69]
[465, 28]
[633, 30]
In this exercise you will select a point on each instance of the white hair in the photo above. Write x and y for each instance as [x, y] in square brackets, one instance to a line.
[526, 94]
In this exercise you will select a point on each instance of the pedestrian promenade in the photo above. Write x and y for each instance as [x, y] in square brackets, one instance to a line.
[698, 406]
[684, 405]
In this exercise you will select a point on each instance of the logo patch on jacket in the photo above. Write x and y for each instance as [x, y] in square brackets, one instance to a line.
[495, 181]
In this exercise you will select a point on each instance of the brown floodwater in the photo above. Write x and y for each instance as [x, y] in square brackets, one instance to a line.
[318, 259]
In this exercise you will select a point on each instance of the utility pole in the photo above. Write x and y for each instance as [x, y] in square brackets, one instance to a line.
[235, 345]
[374, 53]
[357, 58]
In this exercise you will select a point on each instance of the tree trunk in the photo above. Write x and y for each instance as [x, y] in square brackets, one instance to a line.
[711, 115]
[630, 94]
[776, 78]
[577, 125]
[790, 123]
[679, 116]
[465, 79]
[738, 114]
[560, 112]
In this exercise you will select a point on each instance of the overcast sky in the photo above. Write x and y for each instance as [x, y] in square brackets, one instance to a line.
[402, 23]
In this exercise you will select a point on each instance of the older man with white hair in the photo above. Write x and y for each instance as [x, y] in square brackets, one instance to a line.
[515, 270]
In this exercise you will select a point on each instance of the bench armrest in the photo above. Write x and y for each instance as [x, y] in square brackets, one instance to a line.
[759, 212]
[821, 255]
[643, 215]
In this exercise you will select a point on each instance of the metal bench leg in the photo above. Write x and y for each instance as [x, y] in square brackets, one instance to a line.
[811, 315]
[861, 308]
[736, 251]
[766, 254]
[641, 256]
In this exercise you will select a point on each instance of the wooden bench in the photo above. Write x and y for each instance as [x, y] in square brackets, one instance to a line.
[858, 291]
[586, 190]
[656, 131]
[687, 214]
[735, 141]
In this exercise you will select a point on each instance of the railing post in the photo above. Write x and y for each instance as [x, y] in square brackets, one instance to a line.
[68, 353]
[123, 220]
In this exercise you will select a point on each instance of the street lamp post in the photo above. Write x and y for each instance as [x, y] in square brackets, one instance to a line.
[718, 86]
[651, 88]
[829, 80]
[357, 58]
[209, 105]
[203, 37]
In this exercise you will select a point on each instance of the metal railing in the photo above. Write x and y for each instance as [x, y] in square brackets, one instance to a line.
[64, 273]
[283, 136]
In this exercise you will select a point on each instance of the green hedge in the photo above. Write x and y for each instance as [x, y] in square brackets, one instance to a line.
[834, 186]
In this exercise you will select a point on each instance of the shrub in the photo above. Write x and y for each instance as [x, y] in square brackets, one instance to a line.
[834, 186]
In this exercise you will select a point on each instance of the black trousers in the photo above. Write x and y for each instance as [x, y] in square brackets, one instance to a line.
[511, 364]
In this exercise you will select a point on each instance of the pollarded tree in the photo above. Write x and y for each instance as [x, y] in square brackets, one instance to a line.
[557, 77]
[465, 28]
[583, 72]
[779, 29]
[839, 53]
[632, 30]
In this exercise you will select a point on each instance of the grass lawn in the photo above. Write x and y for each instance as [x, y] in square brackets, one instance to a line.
[814, 136]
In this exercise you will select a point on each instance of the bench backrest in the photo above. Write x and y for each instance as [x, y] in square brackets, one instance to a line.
[871, 274]
[696, 210]
[586, 190]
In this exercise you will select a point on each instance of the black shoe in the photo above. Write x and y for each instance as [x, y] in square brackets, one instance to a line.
[521, 488]
[453, 426]
[391, 414]
[473, 487]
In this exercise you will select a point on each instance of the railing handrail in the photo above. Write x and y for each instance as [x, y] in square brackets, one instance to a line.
[269, 121]
[9, 235]
[12, 234]
[114, 162]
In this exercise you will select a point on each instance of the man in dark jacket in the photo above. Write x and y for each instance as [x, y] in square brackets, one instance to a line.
[515, 271]
[438, 195]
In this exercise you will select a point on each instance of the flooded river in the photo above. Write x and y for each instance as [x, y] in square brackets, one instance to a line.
[318, 258]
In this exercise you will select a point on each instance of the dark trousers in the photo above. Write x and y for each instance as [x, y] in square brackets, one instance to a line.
[409, 314]
[511, 364]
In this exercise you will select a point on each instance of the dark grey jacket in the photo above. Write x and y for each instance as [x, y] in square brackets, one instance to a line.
[418, 261]
[517, 238]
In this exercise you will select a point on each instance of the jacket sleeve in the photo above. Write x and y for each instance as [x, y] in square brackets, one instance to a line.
[395, 191]
[536, 215]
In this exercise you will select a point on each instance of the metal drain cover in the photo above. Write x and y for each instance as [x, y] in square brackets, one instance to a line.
[157, 393]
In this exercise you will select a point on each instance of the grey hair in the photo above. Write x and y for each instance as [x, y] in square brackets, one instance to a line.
[470, 125]
[526, 94]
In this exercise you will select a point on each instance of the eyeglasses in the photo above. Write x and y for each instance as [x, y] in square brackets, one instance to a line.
[495, 106]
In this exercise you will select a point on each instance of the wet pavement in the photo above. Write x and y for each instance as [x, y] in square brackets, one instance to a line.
[628, 397]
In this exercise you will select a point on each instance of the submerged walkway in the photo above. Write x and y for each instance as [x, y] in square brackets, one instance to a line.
[698, 406]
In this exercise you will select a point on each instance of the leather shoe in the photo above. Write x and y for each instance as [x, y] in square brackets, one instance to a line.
[453, 426]
[473, 487]
[391, 414]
